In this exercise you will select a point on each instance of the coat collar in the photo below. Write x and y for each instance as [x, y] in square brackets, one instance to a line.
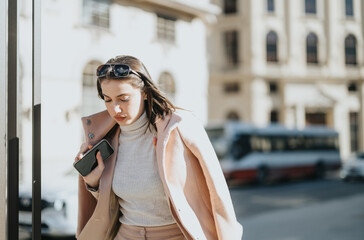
[97, 125]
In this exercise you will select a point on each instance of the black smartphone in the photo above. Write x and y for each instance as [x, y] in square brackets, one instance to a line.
[89, 162]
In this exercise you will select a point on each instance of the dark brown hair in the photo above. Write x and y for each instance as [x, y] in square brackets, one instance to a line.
[156, 103]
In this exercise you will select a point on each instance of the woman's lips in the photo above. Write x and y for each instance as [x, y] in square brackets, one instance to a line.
[119, 118]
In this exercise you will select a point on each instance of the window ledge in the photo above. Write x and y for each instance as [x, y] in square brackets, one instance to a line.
[93, 27]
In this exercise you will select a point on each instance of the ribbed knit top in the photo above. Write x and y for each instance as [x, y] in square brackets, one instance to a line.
[136, 182]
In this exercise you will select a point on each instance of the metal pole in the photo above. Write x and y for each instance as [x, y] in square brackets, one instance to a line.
[13, 140]
[3, 118]
[36, 93]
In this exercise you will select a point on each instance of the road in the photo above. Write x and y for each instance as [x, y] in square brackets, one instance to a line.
[299, 210]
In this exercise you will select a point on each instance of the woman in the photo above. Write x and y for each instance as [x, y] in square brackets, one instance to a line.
[164, 180]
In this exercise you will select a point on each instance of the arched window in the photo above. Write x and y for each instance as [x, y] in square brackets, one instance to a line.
[350, 50]
[167, 85]
[233, 116]
[91, 103]
[272, 41]
[311, 48]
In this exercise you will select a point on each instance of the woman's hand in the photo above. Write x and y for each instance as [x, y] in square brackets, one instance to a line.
[93, 178]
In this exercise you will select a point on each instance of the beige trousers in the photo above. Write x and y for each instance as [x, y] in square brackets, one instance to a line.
[168, 232]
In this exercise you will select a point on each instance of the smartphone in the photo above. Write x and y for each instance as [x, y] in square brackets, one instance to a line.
[89, 162]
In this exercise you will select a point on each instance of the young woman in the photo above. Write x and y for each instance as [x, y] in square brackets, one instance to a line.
[164, 180]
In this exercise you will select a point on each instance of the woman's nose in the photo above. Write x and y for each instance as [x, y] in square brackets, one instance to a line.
[117, 108]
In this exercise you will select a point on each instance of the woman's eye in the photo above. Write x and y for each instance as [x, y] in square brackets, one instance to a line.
[107, 100]
[125, 99]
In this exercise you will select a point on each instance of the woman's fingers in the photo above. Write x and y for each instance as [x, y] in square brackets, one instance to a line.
[93, 178]
[79, 156]
[84, 147]
[100, 161]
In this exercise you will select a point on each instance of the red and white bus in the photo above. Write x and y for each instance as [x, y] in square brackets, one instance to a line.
[248, 153]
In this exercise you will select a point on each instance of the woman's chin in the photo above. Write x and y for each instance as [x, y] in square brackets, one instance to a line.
[125, 122]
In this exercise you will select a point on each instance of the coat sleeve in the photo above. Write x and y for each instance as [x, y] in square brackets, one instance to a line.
[196, 139]
[86, 202]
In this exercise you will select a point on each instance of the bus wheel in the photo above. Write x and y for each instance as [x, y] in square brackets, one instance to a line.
[319, 170]
[262, 175]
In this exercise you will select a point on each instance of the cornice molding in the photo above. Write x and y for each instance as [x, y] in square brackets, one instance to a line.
[207, 12]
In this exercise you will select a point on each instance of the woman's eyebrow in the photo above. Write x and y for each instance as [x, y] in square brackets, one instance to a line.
[117, 95]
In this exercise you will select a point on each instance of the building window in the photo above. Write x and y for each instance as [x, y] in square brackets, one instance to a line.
[96, 13]
[270, 6]
[273, 88]
[310, 6]
[166, 28]
[350, 50]
[311, 48]
[90, 101]
[349, 10]
[274, 116]
[272, 41]
[232, 87]
[233, 116]
[316, 119]
[230, 6]
[352, 87]
[354, 131]
[231, 47]
[167, 85]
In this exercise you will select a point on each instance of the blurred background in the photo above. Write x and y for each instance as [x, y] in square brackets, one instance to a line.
[278, 85]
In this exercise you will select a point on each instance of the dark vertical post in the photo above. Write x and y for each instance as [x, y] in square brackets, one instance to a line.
[36, 93]
[3, 120]
[13, 140]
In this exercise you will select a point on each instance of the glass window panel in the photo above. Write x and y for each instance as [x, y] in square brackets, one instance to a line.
[349, 10]
[310, 6]
[272, 40]
[270, 5]
[350, 50]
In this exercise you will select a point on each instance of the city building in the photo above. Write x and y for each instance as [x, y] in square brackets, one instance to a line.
[293, 62]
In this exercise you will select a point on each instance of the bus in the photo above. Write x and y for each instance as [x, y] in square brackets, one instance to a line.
[249, 153]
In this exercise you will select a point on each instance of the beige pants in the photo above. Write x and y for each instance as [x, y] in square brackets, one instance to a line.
[168, 232]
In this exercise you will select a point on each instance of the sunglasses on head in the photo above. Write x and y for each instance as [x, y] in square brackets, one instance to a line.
[117, 70]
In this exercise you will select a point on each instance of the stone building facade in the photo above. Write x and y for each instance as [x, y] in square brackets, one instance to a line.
[295, 62]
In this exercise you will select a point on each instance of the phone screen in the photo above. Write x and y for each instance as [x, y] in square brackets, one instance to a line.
[89, 162]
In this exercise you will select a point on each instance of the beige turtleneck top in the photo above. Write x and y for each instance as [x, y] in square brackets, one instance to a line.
[136, 181]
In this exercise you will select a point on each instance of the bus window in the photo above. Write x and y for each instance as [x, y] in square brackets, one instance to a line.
[294, 143]
[255, 144]
[265, 144]
[240, 146]
[278, 143]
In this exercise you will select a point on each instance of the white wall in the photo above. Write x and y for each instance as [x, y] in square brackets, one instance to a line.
[68, 45]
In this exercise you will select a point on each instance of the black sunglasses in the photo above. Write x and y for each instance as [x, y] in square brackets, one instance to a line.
[118, 70]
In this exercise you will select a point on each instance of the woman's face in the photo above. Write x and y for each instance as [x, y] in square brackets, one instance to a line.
[124, 102]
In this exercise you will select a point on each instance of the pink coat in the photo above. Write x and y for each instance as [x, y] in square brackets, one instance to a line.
[199, 198]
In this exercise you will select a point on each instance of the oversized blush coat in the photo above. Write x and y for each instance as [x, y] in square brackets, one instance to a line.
[199, 198]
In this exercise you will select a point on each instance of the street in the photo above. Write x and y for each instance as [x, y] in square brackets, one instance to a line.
[300, 210]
